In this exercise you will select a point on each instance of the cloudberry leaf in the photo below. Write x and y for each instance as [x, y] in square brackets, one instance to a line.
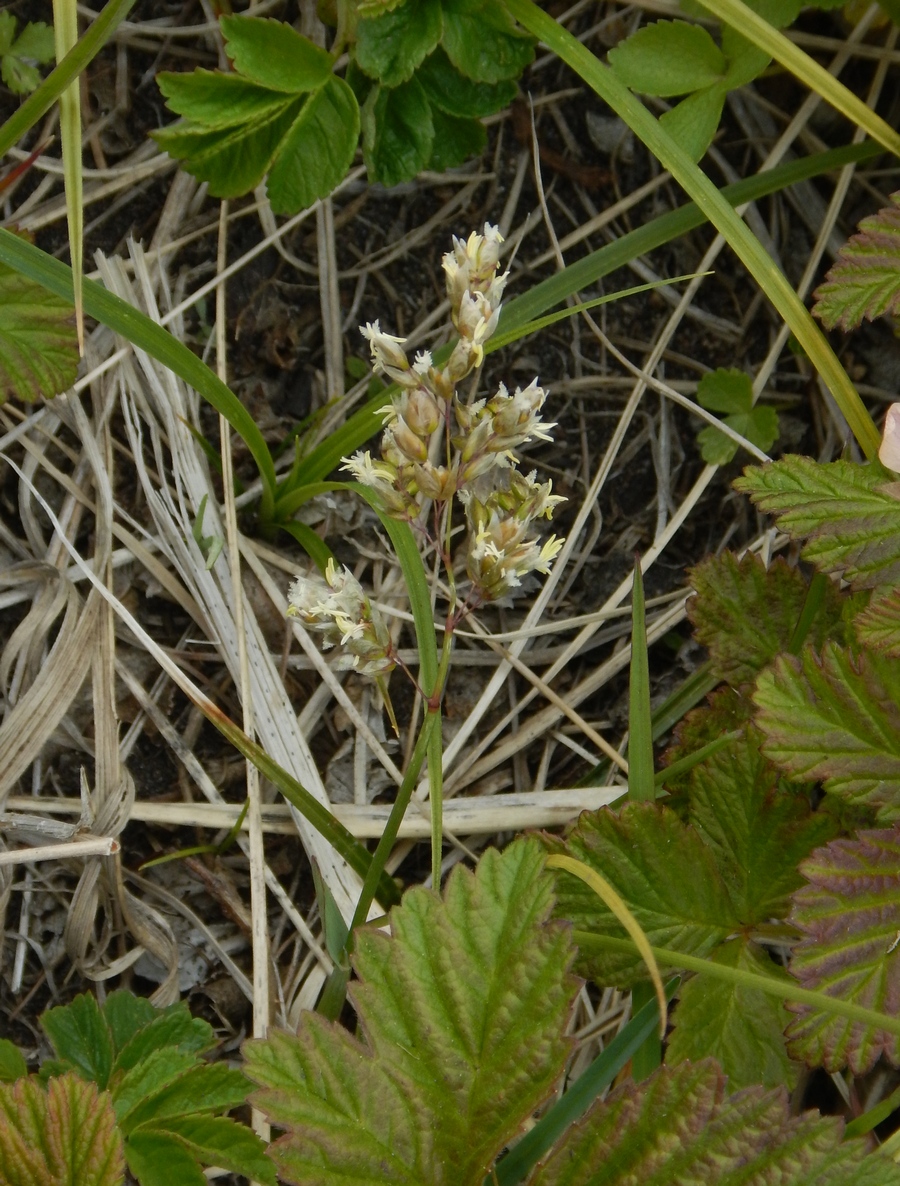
[38, 343]
[848, 514]
[448, 1005]
[835, 718]
[664, 872]
[483, 42]
[745, 613]
[668, 58]
[878, 625]
[849, 914]
[391, 47]
[864, 280]
[757, 830]
[679, 1128]
[60, 1136]
[741, 1027]
[724, 711]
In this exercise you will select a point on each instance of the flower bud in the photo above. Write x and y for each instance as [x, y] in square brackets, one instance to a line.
[420, 410]
[435, 481]
[399, 437]
[387, 355]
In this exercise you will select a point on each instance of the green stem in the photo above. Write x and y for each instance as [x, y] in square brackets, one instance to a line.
[784, 989]
[694, 181]
[436, 759]
[40, 101]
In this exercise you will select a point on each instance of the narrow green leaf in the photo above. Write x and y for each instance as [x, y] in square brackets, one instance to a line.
[835, 718]
[462, 985]
[454, 93]
[317, 150]
[664, 872]
[63, 1135]
[65, 33]
[144, 333]
[483, 42]
[390, 47]
[79, 1035]
[757, 830]
[745, 613]
[848, 514]
[216, 1140]
[668, 58]
[214, 99]
[849, 914]
[38, 342]
[692, 123]
[680, 1128]
[864, 280]
[12, 1062]
[273, 54]
[232, 160]
[641, 783]
[398, 132]
[741, 1027]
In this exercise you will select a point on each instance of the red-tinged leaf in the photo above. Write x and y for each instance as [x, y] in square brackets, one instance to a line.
[679, 1128]
[849, 913]
[463, 1010]
[864, 280]
[64, 1136]
[745, 614]
[741, 1027]
[878, 625]
[724, 711]
[664, 872]
[757, 830]
[848, 513]
[835, 718]
[38, 343]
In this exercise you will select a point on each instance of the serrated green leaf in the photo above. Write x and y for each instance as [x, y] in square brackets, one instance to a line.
[398, 132]
[692, 123]
[668, 58]
[35, 42]
[12, 1062]
[849, 914]
[317, 151]
[483, 42]
[20, 56]
[212, 99]
[64, 1136]
[878, 625]
[447, 1005]
[455, 140]
[745, 614]
[391, 47]
[846, 512]
[454, 93]
[213, 1088]
[173, 1029]
[157, 1159]
[273, 54]
[140, 1083]
[125, 1014]
[835, 718]
[864, 280]
[232, 160]
[7, 32]
[664, 872]
[216, 1140]
[80, 1036]
[679, 1128]
[38, 343]
[724, 711]
[759, 426]
[757, 831]
[740, 1027]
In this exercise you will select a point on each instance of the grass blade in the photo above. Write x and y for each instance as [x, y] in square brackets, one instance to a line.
[65, 31]
[641, 783]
